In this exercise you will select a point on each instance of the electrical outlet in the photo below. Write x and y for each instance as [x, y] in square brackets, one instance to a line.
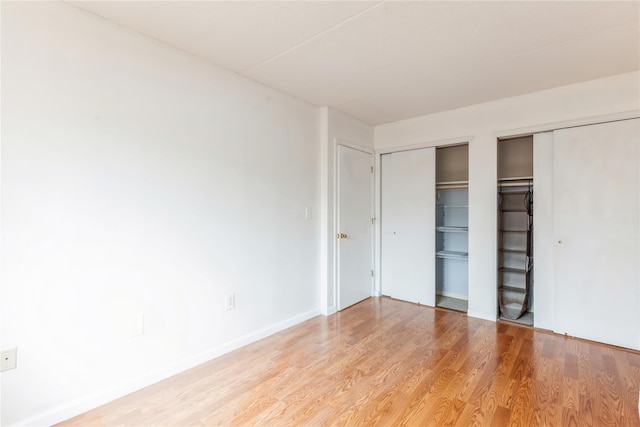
[230, 301]
[9, 359]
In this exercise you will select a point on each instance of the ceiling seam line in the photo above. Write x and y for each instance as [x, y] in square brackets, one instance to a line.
[284, 52]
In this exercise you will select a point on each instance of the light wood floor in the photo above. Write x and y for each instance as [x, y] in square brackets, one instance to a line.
[386, 362]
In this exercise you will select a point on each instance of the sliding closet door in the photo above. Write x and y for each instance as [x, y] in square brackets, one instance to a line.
[596, 232]
[408, 225]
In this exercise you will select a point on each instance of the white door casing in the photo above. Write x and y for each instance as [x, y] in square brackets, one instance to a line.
[354, 226]
[596, 232]
[408, 225]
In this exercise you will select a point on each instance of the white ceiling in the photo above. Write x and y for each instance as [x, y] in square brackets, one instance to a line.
[391, 60]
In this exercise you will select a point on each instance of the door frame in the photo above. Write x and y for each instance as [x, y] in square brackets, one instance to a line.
[546, 234]
[378, 192]
[543, 289]
[336, 211]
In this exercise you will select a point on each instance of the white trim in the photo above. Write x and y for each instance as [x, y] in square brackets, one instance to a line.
[357, 147]
[482, 315]
[453, 295]
[547, 127]
[439, 143]
[336, 226]
[84, 404]
[372, 213]
[377, 229]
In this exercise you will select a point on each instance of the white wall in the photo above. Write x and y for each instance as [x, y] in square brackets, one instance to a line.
[484, 122]
[335, 126]
[139, 181]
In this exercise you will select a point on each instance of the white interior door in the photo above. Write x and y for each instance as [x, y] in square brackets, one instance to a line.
[355, 210]
[408, 225]
[596, 232]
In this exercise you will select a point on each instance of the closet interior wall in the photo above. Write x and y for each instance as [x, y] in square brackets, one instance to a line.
[515, 230]
[452, 227]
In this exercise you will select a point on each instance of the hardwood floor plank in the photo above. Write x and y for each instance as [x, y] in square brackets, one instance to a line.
[501, 417]
[390, 363]
[570, 417]
[571, 394]
[471, 416]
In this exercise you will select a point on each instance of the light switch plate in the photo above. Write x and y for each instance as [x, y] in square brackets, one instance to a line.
[137, 325]
[230, 301]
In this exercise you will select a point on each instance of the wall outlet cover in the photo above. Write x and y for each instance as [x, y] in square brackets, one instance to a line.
[9, 359]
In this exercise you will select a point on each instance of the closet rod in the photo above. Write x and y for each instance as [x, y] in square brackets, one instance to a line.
[451, 186]
[516, 178]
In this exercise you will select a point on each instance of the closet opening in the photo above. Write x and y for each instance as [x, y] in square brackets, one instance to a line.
[515, 230]
[452, 227]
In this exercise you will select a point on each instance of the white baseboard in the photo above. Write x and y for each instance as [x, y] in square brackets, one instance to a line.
[453, 295]
[86, 403]
[330, 310]
[482, 315]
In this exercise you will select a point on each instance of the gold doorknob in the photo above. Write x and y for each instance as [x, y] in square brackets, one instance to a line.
[343, 236]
